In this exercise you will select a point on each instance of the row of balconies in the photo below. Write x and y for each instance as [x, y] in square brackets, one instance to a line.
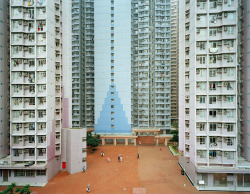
[216, 34]
[28, 26]
[215, 88]
[202, 48]
[220, 102]
[28, 51]
[28, 128]
[28, 115]
[28, 3]
[28, 77]
[28, 13]
[28, 64]
[28, 103]
[219, 115]
[29, 154]
[215, 157]
[229, 74]
[28, 141]
[216, 6]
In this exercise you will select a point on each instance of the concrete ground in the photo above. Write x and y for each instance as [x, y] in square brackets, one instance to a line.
[153, 171]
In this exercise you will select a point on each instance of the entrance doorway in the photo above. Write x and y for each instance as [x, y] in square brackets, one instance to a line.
[5, 175]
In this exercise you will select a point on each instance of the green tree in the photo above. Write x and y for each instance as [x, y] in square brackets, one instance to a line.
[10, 189]
[93, 140]
[175, 137]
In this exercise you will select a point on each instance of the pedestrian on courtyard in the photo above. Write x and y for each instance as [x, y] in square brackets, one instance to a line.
[138, 156]
[108, 159]
[121, 158]
[88, 188]
[83, 169]
[118, 158]
[102, 154]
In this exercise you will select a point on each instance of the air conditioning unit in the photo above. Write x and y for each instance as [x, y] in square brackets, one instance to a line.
[44, 35]
[225, 56]
[44, 9]
[20, 152]
[25, 74]
[219, 2]
[197, 85]
[219, 153]
[197, 58]
[219, 98]
[198, 30]
[197, 98]
[20, 9]
[43, 150]
[225, 70]
[187, 97]
[219, 43]
[225, 112]
[197, 71]
[25, 138]
[219, 57]
[198, 44]
[225, 84]
[198, 152]
[225, 14]
[198, 4]
[186, 60]
[225, 125]
[219, 71]
[20, 22]
[198, 17]
[197, 112]
[26, 112]
[25, 61]
[225, 154]
[219, 111]
[25, 150]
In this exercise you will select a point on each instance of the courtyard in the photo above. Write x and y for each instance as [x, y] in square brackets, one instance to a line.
[157, 171]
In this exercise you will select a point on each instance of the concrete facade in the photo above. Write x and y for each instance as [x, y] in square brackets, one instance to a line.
[4, 79]
[37, 94]
[209, 103]
[151, 64]
[112, 66]
[74, 153]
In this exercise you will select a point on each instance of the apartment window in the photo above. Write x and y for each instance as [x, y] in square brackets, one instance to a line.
[230, 99]
[202, 113]
[41, 173]
[202, 5]
[230, 114]
[112, 106]
[212, 113]
[230, 3]
[112, 67]
[202, 60]
[202, 126]
[112, 74]
[213, 140]
[40, 152]
[112, 80]
[202, 99]
[31, 152]
[212, 72]
[212, 86]
[212, 59]
[112, 126]
[202, 72]
[112, 93]
[230, 86]
[112, 113]
[202, 32]
[230, 155]
[230, 16]
[31, 101]
[16, 140]
[230, 30]
[202, 45]
[212, 127]
[230, 127]
[112, 119]
[212, 32]
[212, 99]
[202, 140]
[229, 141]
[19, 173]
[31, 139]
[230, 72]
[202, 154]
[212, 154]
[213, 4]
[41, 139]
[230, 43]
[112, 87]
[202, 19]
[30, 173]
[31, 50]
[15, 152]
[213, 44]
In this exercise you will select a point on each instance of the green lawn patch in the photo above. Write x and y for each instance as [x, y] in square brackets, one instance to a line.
[175, 149]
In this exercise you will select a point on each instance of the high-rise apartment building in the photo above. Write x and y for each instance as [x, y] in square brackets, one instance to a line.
[151, 64]
[174, 60]
[4, 79]
[112, 66]
[83, 63]
[36, 95]
[214, 154]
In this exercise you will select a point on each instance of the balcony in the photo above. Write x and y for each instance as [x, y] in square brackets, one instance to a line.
[229, 18]
[41, 154]
[16, 2]
[41, 26]
[41, 77]
[28, 90]
[41, 39]
[41, 115]
[41, 128]
[41, 141]
[29, 103]
[41, 90]
[41, 13]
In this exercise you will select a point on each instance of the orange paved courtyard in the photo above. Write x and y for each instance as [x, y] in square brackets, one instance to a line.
[153, 171]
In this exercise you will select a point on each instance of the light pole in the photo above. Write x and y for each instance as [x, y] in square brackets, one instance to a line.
[184, 177]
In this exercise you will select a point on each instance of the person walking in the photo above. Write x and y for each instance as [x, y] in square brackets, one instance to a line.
[88, 188]
[83, 169]
[138, 156]
[108, 159]
[102, 154]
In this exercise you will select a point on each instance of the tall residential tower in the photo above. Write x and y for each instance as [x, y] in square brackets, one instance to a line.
[210, 75]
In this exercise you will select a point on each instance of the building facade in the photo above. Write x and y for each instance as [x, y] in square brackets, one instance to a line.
[4, 79]
[36, 91]
[174, 60]
[151, 64]
[209, 104]
[112, 33]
